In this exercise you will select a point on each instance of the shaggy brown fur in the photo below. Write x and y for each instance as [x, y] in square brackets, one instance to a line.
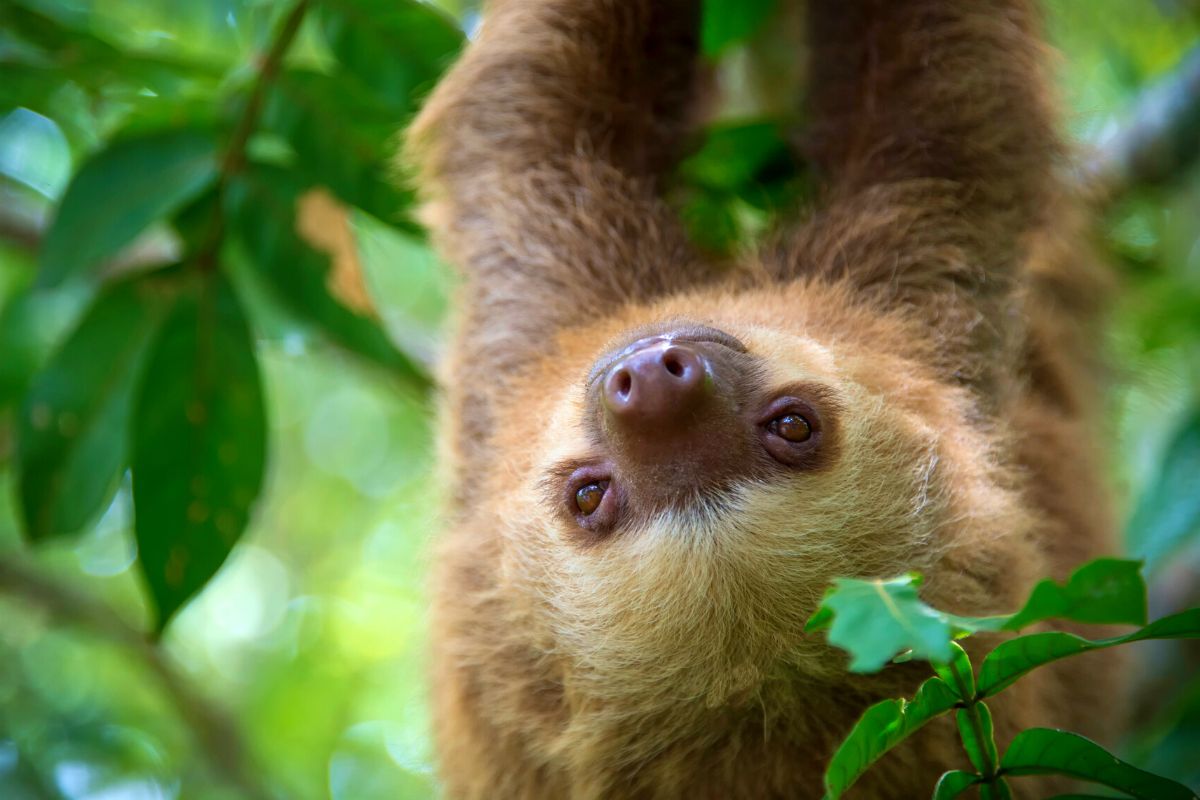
[941, 300]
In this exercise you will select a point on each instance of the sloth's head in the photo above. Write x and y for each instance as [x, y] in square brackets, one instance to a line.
[693, 474]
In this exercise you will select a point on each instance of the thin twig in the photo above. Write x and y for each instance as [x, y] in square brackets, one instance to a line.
[216, 734]
[234, 156]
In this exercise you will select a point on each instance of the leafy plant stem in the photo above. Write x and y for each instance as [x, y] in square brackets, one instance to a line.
[989, 768]
[234, 155]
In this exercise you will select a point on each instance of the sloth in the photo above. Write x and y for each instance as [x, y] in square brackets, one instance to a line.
[656, 458]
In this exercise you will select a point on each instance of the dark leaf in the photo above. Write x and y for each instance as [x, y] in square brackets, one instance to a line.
[71, 432]
[199, 444]
[1104, 591]
[264, 206]
[954, 783]
[1012, 659]
[1042, 751]
[727, 22]
[882, 727]
[121, 191]
[393, 47]
[343, 139]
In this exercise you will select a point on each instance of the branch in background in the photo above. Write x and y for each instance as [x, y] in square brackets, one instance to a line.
[217, 737]
[1160, 140]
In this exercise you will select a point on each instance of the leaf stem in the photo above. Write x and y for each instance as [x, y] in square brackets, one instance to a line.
[234, 156]
[989, 768]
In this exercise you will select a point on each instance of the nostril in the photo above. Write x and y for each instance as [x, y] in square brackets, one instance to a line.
[623, 383]
[673, 365]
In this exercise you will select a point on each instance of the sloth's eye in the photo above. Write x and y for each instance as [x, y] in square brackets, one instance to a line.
[587, 498]
[791, 427]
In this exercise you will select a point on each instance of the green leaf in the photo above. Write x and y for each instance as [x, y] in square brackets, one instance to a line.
[882, 727]
[121, 191]
[1043, 751]
[978, 736]
[1014, 658]
[997, 790]
[957, 673]
[393, 47]
[954, 783]
[264, 207]
[726, 22]
[1168, 512]
[343, 139]
[874, 620]
[199, 444]
[1104, 591]
[71, 432]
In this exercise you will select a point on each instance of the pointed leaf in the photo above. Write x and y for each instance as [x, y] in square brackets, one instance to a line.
[1104, 591]
[121, 191]
[882, 727]
[71, 432]
[1043, 751]
[954, 783]
[1012, 659]
[199, 444]
[957, 673]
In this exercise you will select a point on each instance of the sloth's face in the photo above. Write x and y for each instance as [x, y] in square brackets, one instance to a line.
[700, 477]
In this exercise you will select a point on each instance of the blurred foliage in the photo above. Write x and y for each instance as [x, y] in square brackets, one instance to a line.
[215, 315]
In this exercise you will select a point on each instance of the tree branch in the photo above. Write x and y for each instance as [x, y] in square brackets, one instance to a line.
[217, 736]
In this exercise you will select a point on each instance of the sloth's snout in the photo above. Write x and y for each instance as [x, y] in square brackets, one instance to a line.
[658, 386]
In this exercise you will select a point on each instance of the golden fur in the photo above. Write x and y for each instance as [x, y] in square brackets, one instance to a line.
[940, 296]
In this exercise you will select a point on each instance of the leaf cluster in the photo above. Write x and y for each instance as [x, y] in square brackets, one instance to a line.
[881, 621]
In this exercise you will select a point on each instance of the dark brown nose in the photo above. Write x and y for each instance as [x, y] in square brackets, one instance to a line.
[655, 386]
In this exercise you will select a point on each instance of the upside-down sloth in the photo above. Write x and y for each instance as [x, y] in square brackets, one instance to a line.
[657, 460]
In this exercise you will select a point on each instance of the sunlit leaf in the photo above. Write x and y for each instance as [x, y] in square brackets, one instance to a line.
[1104, 591]
[957, 672]
[1042, 751]
[874, 620]
[1012, 659]
[954, 783]
[393, 47]
[882, 727]
[199, 444]
[72, 428]
[265, 206]
[726, 22]
[119, 192]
